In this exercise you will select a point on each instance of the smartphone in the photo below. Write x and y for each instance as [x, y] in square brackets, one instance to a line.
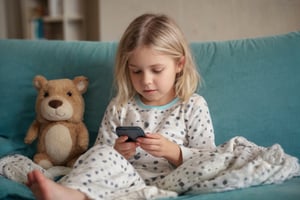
[133, 132]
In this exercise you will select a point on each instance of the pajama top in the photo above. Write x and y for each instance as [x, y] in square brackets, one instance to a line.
[187, 124]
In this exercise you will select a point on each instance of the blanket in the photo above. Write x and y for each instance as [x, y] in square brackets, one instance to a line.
[235, 164]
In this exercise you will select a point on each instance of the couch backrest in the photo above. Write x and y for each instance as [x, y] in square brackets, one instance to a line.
[21, 60]
[251, 86]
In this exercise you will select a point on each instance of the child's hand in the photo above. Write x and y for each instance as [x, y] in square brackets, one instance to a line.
[159, 146]
[126, 149]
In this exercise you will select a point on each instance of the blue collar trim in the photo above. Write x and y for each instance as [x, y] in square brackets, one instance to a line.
[163, 107]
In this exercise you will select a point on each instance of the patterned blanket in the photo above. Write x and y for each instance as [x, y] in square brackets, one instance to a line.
[237, 163]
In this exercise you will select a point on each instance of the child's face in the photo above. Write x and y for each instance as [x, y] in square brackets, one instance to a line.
[153, 75]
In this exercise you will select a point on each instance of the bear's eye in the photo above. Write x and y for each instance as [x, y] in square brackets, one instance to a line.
[46, 94]
[69, 93]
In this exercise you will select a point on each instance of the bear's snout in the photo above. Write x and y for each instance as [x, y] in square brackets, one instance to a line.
[55, 103]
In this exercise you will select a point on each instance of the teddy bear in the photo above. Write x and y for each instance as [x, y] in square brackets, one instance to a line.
[58, 127]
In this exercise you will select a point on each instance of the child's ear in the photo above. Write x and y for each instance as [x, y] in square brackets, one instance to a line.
[180, 64]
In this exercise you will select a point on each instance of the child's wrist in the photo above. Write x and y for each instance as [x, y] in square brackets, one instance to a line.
[175, 158]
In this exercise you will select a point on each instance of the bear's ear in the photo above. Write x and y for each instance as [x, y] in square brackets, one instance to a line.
[39, 81]
[81, 82]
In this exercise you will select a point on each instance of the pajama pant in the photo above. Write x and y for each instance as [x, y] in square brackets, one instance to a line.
[102, 173]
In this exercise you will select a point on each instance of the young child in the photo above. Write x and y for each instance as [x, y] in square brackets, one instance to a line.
[156, 80]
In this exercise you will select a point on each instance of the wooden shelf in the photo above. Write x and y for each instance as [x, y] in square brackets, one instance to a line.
[65, 22]
[49, 19]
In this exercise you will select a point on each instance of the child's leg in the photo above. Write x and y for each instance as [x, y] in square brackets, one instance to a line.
[101, 173]
[46, 189]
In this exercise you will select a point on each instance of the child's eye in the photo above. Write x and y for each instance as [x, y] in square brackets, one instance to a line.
[157, 71]
[136, 71]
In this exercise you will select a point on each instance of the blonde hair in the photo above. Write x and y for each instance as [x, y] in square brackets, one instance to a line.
[162, 34]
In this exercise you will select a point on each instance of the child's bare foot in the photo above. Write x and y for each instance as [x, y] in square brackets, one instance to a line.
[46, 189]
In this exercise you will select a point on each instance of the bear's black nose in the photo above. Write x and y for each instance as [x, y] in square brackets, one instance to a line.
[55, 103]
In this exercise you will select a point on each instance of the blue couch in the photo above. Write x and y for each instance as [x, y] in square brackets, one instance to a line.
[252, 87]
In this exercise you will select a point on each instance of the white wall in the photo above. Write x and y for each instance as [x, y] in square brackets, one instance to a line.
[206, 19]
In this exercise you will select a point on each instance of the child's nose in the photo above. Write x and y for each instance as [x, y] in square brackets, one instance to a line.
[147, 78]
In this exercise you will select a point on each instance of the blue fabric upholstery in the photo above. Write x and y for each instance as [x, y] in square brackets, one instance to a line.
[251, 86]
